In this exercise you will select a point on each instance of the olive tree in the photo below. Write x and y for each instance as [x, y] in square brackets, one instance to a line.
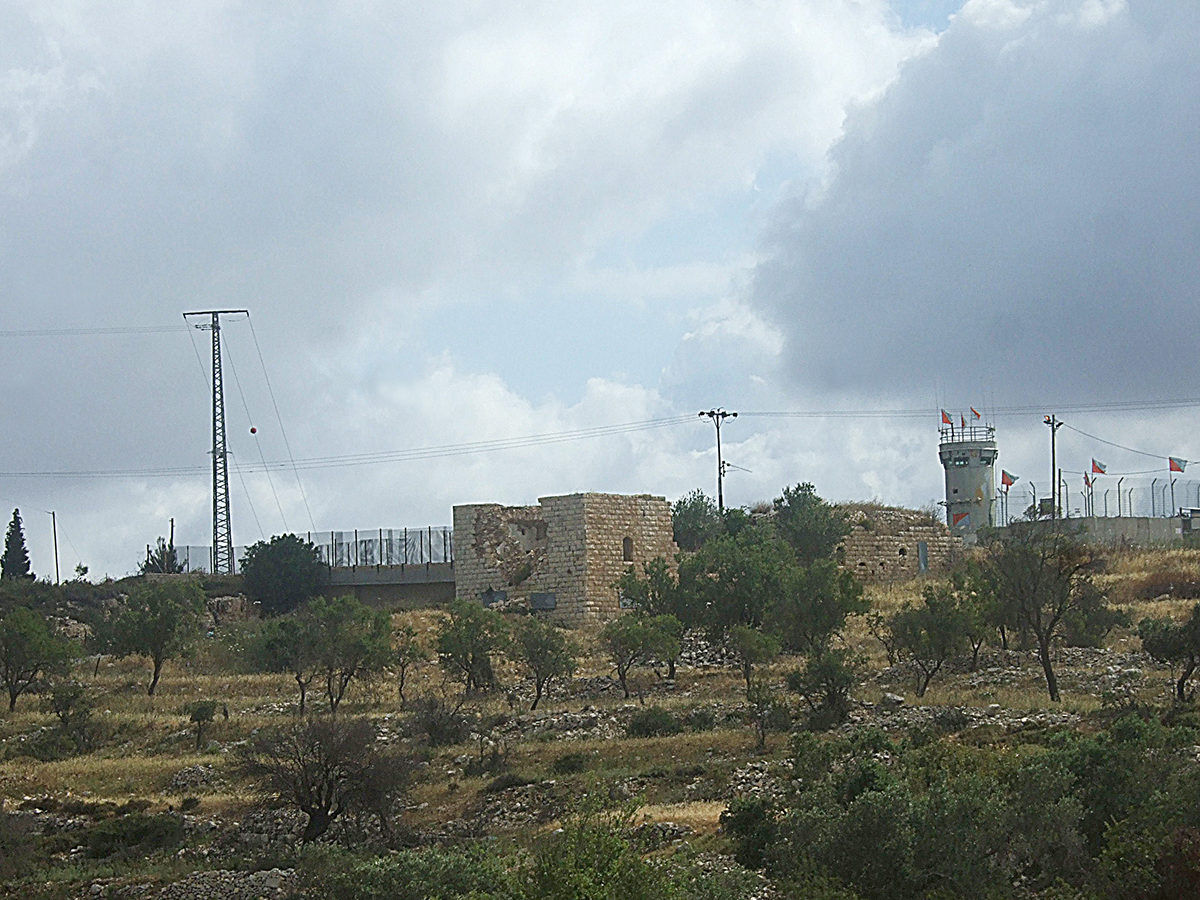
[160, 620]
[327, 767]
[334, 640]
[1175, 643]
[29, 650]
[1044, 580]
[466, 641]
[545, 653]
[634, 640]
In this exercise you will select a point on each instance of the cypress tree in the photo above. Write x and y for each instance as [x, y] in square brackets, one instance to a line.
[15, 562]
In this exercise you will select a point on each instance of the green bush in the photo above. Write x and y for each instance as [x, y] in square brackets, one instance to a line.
[438, 722]
[591, 858]
[134, 835]
[753, 823]
[653, 721]
[16, 845]
[699, 720]
[331, 873]
[570, 764]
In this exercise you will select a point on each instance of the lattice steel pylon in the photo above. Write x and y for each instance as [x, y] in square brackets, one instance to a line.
[222, 552]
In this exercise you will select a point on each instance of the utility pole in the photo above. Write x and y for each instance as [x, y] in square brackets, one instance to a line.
[54, 528]
[1056, 490]
[718, 416]
[222, 558]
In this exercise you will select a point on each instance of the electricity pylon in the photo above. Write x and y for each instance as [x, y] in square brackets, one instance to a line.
[222, 552]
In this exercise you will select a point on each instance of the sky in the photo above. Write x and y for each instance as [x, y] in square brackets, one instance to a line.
[460, 226]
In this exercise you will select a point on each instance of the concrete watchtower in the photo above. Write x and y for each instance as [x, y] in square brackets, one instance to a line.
[968, 455]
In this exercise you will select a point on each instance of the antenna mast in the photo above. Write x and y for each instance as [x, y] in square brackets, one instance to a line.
[222, 552]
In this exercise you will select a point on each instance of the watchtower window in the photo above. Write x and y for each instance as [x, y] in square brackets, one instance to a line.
[627, 549]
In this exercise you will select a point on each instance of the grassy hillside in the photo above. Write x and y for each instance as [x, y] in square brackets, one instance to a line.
[517, 776]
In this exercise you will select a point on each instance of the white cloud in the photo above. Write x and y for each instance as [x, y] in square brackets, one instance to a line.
[1019, 210]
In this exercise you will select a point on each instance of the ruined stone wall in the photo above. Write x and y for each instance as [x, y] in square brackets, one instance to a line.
[571, 546]
[883, 543]
[498, 547]
[610, 521]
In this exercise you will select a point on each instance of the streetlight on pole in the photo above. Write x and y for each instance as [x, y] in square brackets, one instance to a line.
[1056, 492]
[718, 416]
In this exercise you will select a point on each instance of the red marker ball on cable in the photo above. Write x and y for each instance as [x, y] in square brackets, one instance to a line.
[253, 430]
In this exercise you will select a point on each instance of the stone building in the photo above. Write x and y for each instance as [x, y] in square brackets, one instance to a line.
[562, 556]
[889, 544]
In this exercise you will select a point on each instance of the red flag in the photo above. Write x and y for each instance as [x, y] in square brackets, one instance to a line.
[963, 519]
[963, 420]
[1006, 479]
[975, 413]
[946, 420]
[1098, 468]
[1087, 482]
[1176, 464]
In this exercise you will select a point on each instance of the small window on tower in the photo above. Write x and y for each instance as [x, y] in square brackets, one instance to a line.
[627, 549]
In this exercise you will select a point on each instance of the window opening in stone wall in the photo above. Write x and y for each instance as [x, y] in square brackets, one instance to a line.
[903, 551]
[627, 549]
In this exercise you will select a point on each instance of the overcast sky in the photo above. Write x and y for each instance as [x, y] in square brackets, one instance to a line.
[462, 222]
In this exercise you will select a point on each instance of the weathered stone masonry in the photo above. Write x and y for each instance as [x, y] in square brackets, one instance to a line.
[567, 551]
[884, 543]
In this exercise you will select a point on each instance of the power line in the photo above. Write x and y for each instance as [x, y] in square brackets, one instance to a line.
[1118, 446]
[81, 332]
[278, 418]
[257, 442]
[361, 459]
[999, 411]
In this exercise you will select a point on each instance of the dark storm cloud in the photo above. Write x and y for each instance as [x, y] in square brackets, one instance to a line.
[1020, 209]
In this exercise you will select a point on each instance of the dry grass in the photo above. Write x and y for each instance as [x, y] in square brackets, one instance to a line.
[150, 739]
[702, 816]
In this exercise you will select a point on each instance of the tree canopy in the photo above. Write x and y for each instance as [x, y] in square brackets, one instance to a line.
[160, 621]
[545, 652]
[695, 519]
[161, 559]
[1043, 579]
[811, 526]
[29, 649]
[466, 642]
[282, 573]
[15, 562]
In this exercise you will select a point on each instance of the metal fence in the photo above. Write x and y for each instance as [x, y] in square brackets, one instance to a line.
[346, 549]
[385, 546]
[198, 557]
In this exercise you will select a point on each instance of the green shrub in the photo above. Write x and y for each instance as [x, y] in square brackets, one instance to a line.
[699, 720]
[570, 764]
[331, 873]
[753, 824]
[16, 845]
[591, 858]
[438, 722]
[134, 835]
[653, 721]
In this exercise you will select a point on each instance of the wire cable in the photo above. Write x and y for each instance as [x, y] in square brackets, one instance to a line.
[80, 332]
[257, 443]
[278, 418]
[420, 453]
[249, 500]
[1118, 446]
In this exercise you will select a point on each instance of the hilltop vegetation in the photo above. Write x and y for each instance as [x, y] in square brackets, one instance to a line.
[760, 725]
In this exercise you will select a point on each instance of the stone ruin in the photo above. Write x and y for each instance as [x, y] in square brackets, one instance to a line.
[892, 544]
[561, 558]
